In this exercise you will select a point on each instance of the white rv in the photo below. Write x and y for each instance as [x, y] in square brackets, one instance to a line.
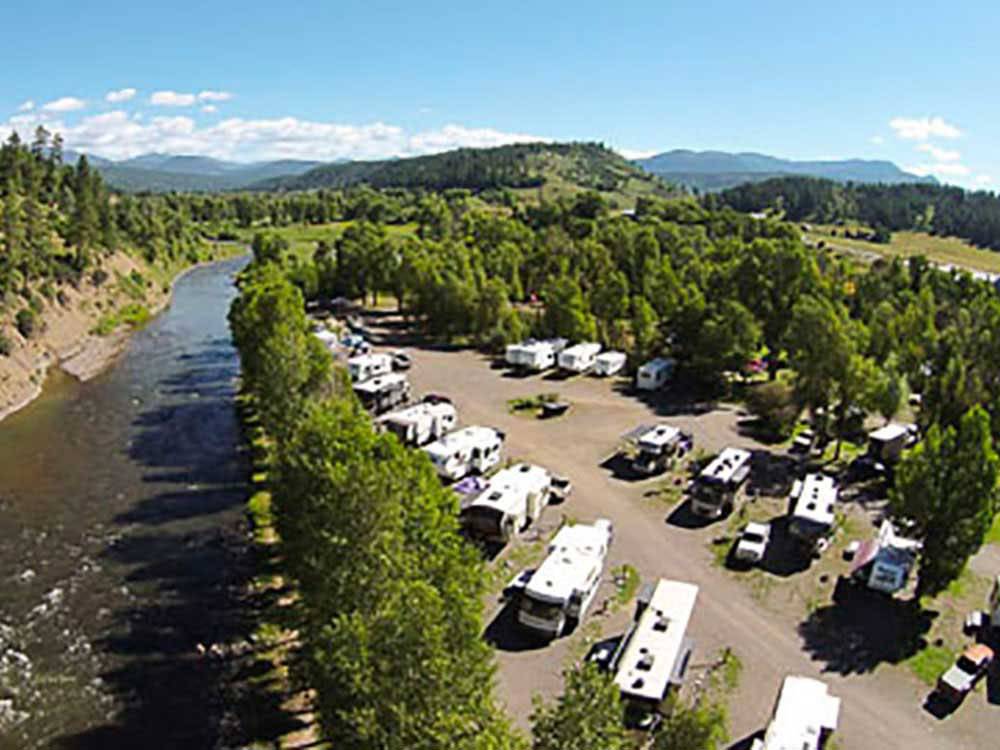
[885, 562]
[655, 445]
[557, 595]
[383, 392]
[805, 717]
[886, 444]
[812, 516]
[579, 357]
[655, 652]
[609, 363]
[512, 500]
[654, 374]
[535, 355]
[368, 366]
[717, 487]
[466, 451]
[327, 338]
[421, 423]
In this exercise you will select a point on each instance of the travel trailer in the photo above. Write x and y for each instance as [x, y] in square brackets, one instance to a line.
[804, 719]
[368, 366]
[579, 357]
[557, 595]
[654, 374]
[421, 423]
[885, 562]
[535, 356]
[511, 501]
[467, 451]
[655, 446]
[886, 444]
[812, 515]
[717, 487]
[655, 652]
[609, 363]
[384, 392]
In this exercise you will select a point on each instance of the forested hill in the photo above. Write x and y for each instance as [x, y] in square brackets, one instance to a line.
[938, 209]
[555, 168]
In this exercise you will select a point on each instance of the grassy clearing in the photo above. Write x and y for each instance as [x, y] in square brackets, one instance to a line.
[530, 405]
[627, 580]
[133, 315]
[993, 535]
[302, 238]
[930, 663]
[517, 557]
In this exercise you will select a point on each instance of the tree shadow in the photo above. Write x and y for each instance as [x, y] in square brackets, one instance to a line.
[670, 402]
[861, 629]
[746, 743]
[784, 556]
[684, 517]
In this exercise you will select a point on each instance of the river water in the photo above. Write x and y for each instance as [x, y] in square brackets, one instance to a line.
[122, 540]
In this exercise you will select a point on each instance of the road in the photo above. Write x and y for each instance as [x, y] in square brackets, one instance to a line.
[881, 707]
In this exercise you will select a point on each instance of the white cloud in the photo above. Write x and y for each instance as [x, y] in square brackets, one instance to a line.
[118, 135]
[636, 153]
[65, 104]
[172, 99]
[984, 179]
[121, 95]
[923, 128]
[214, 96]
[939, 154]
[877, 140]
[952, 169]
[26, 106]
[209, 109]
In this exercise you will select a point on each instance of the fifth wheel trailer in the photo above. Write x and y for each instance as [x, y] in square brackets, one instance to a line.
[421, 423]
[467, 451]
[512, 500]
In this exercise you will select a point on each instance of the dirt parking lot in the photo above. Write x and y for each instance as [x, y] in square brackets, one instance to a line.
[772, 635]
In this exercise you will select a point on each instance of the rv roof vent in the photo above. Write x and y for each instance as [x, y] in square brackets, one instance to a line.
[495, 496]
[661, 624]
[645, 663]
[638, 683]
[811, 506]
[525, 468]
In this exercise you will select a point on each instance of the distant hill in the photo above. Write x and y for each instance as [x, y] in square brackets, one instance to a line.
[718, 170]
[552, 169]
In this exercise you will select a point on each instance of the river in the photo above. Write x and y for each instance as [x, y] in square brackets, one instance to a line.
[123, 540]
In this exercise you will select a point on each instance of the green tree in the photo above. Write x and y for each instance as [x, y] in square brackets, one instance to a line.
[587, 716]
[566, 311]
[699, 727]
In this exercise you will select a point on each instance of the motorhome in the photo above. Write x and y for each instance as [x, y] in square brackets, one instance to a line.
[804, 718]
[511, 501]
[467, 451]
[609, 363]
[717, 487]
[535, 356]
[654, 374]
[384, 392]
[814, 500]
[421, 423]
[579, 357]
[368, 366]
[885, 562]
[655, 652]
[557, 595]
[655, 446]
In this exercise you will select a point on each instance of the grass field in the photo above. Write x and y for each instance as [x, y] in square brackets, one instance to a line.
[905, 244]
[303, 237]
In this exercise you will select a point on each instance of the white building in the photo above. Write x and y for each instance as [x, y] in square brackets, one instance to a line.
[804, 718]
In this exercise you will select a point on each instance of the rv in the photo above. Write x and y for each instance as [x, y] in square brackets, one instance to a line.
[379, 394]
[885, 562]
[805, 717]
[579, 357]
[511, 501]
[716, 488]
[466, 451]
[655, 446]
[654, 374]
[655, 652]
[535, 355]
[557, 595]
[368, 366]
[421, 423]
[812, 513]
[886, 444]
[327, 338]
[609, 363]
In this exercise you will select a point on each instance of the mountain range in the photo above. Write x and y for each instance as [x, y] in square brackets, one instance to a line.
[718, 170]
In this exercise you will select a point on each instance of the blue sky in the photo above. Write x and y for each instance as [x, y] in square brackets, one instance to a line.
[913, 82]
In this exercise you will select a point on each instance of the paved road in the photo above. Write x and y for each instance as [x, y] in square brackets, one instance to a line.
[880, 708]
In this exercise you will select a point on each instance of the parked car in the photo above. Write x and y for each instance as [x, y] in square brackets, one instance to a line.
[963, 675]
[401, 361]
[753, 541]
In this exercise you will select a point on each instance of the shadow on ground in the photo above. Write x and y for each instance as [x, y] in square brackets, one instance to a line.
[505, 634]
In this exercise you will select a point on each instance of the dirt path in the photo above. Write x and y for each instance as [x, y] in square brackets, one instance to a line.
[881, 707]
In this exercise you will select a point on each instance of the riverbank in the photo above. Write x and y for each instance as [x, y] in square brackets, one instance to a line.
[83, 329]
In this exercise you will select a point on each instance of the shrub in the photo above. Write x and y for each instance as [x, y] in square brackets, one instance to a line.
[774, 406]
[26, 322]
[6, 346]
[98, 277]
[62, 298]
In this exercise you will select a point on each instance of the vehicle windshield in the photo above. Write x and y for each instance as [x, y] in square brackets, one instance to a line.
[966, 665]
[542, 610]
[753, 537]
[398, 429]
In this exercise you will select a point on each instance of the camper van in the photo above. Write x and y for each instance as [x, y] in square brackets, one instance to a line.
[717, 487]
[654, 374]
[511, 501]
[655, 446]
[655, 651]
[471, 450]
[579, 357]
[421, 423]
[557, 595]
[813, 510]
[885, 562]
[384, 392]
[804, 719]
[535, 356]
[368, 366]
[609, 363]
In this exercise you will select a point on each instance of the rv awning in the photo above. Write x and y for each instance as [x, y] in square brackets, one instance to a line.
[865, 554]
